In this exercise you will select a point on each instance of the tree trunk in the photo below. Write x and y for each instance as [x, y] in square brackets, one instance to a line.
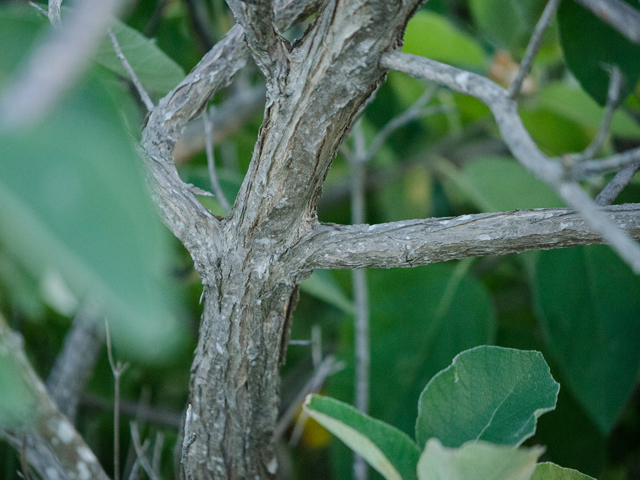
[314, 90]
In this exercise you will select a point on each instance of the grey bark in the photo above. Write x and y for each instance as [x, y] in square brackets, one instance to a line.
[251, 262]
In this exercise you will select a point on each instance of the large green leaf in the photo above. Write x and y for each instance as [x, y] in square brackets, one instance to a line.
[19, 27]
[74, 204]
[433, 36]
[477, 460]
[573, 103]
[551, 471]
[488, 393]
[588, 303]
[157, 72]
[506, 22]
[498, 184]
[420, 319]
[387, 449]
[591, 47]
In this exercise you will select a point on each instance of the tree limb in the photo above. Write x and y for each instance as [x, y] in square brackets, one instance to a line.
[257, 19]
[52, 443]
[421, 242]
[522, 146]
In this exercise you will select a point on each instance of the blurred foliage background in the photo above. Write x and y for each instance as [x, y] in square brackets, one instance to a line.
[580, 306]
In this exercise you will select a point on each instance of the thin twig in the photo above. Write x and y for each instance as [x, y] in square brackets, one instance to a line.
[414, 112]
[140, 451]
[327, 367]
[39, 8]
[187, 441]
[609, 193]
[588, 168]
[534, 46]
[157, 453]
[360, 291]
[54, 13]
[23, 459]
[613, 96]
[211, 161]
[117, 369]
[132, 75]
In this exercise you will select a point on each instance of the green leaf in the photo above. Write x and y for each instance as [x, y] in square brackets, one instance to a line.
[488, 393]
[591, 46]
[507, 22]
[17, 400]
[387, 449]
[421, 318]
[477, 460]
[551, 471]
[575, 104]
[588, 304]
[157, 72]
[74, 204]
[433, 36]
[322, 286]
[19, 28]
[501, 184]
[555, 133]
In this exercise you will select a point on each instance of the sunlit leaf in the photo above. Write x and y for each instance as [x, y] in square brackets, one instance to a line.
[157, 72]
[477, 460]
[387, 449]
[488, 393]
[551, 471]
[433, 36]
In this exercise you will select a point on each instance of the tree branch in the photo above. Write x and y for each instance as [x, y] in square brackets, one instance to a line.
[267, 47]
[618, 14]
[609, 193]
[74, 364]
[191, 223]
[522, 146]
[52, 443]
[421, 242]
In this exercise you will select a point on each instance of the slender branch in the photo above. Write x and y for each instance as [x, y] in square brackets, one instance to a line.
[207, 118]
[39, 8]
[140, 451]
[613, 96]
[522, 146]
[230, 116]
[257, 18]
[53, 446]
[54, 13]
[74, 364]
[117, 369]
[421, 242]
[157, 453]
[618, 14]
[534, 46]
[23, 459]
[132, 75]
[53, 67]
[327, 367]
[414, 112]
[360, 291]
[588, 168]
[199, 26]
[609, 193]
[187, 441]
